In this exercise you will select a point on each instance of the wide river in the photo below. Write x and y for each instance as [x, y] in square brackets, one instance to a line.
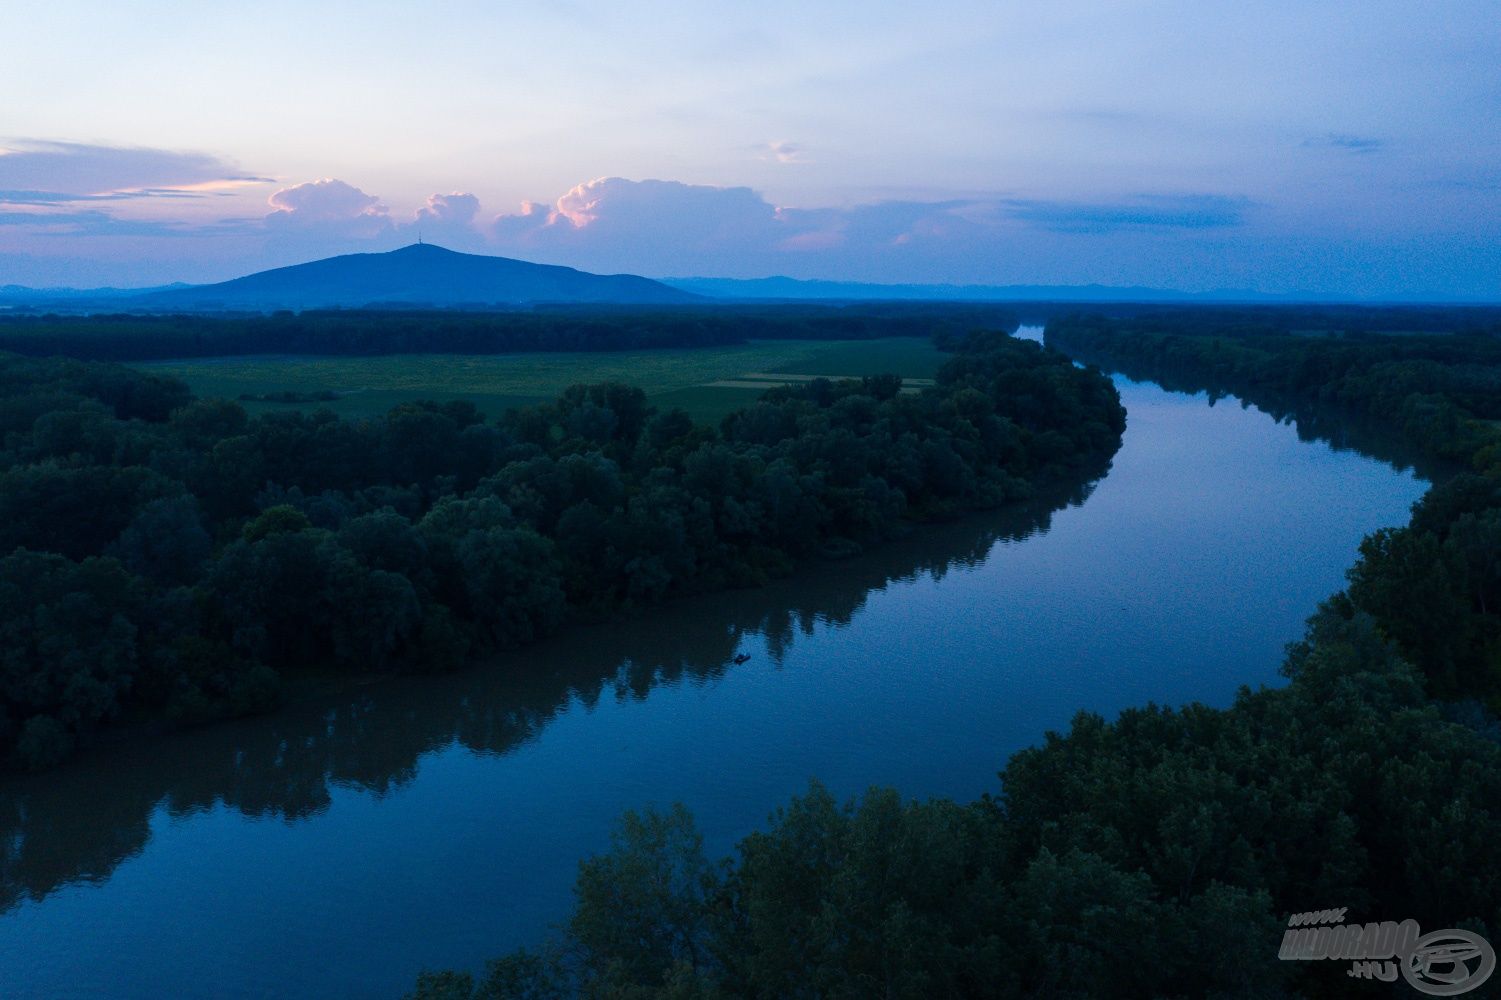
[342, 845]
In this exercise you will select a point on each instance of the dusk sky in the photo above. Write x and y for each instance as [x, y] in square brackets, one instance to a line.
[1331, 147]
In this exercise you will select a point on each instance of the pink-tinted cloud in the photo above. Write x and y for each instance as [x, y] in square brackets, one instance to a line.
[786, 152]
[451, 220]
[605, 222]
[667, 227]
[325, 201]
[450, 209]
[323, 218]
[50, 173]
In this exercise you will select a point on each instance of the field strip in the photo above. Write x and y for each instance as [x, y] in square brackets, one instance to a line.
[740, 383]
[789, 377]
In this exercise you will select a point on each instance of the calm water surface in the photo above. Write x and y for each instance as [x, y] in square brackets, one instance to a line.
[337, 848]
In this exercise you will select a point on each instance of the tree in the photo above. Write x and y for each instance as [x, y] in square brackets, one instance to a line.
[67, 650]
[165, 541]
[644, 906]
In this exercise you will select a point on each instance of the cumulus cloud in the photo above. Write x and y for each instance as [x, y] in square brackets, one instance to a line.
[332, 216]
[450, 209]
[325, 201]
[660, 228]
[616, 224]
[612, 222]
[451, 220]
[666, 227]
[326, 217]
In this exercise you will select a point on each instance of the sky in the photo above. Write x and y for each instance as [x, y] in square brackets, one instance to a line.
[1340, 148]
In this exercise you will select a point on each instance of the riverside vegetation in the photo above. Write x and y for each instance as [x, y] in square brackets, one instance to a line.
[1159, 854]
[173, 560]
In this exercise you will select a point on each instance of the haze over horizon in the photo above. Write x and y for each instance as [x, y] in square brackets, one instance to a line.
[1343, 149]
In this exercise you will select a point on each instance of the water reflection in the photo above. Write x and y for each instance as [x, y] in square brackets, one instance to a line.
[1342, 429]
[80, 822]
[339, 847]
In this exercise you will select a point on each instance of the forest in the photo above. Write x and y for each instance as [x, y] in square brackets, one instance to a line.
[289, 766]
[366, 332]
[173, 560]
[363, 332]
[1159, 854]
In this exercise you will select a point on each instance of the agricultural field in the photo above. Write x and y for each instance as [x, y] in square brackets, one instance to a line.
[706, 382]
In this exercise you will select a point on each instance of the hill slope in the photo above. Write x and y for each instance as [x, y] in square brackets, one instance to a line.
[417, 275]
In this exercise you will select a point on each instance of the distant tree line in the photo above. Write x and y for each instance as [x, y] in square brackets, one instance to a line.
[1307, 319]
[1437, 390]
[1158, 855]
[171, 558]
[130, 337]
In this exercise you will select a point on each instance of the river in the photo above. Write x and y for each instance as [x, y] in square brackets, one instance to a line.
[343, 844]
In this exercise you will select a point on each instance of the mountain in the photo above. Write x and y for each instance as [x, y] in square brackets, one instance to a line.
[417, 275]
[27, 293]
[799, 289]
[73, 299]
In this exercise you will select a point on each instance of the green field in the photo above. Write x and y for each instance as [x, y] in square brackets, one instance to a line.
[707, 382]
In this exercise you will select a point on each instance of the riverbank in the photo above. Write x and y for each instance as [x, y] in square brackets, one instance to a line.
[1157, 854]
[174, 559]
[921, 664]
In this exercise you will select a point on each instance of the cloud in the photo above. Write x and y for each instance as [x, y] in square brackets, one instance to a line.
[53, 173]
[331, 216]
[91, 222]
[324, 201]
[450, 209]
[451, 220]
[13, 197]
[616, 224]
[666, 227]
[1144, 212]
[886, 224]
[44, 187]
[660, 227]
[326, 217]
[786, 152]
[1347, 143]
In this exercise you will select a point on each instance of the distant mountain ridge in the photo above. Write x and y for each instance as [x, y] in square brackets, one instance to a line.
[426, 276]
[418, 275]
[781, 287]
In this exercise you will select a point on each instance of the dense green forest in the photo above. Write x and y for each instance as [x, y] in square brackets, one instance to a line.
[1160, 854]
[1308, 318]
[290, 765]
[363, 332]
[173, 559]
[130, 337]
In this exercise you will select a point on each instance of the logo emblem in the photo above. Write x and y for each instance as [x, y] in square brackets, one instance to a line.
[1449, 962]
